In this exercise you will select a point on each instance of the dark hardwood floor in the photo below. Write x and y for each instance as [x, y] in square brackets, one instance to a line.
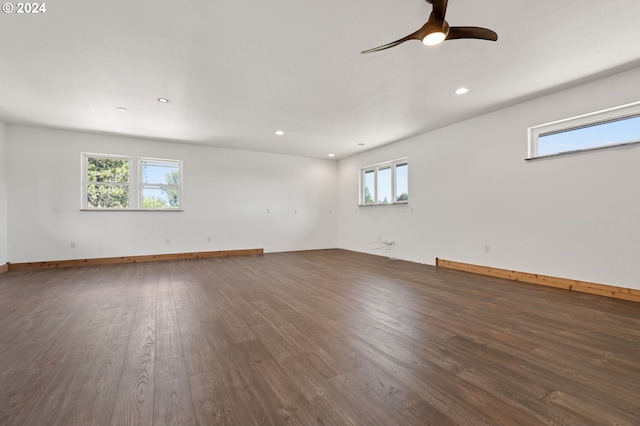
[322, 337]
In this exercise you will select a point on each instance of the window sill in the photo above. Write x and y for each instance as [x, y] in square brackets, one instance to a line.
[397, 203]
[131, 210]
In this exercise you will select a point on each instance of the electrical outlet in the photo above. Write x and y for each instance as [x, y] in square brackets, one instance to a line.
[168, 241]
[487, 249]
[208, 239]
[72, 244]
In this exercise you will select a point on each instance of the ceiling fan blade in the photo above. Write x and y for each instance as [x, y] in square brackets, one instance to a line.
[472, 32]
[412, 36]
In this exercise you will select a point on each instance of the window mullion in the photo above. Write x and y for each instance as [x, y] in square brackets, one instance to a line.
[394, 197]
[375, 184]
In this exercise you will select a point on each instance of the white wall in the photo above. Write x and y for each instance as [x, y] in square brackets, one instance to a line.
[4, 257]
[226, 197]
[574, 216]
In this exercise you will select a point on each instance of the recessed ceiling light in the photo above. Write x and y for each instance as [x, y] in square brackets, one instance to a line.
[332, 155]
[123, 109]
[163, 100]
[279, 132]
[462, 91]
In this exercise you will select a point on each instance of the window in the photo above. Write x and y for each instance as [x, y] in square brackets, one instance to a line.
[107, 183]
[603, 129]
[110, 182]
[369, 186]
[385, 183]
[402, 182]
[160, 184]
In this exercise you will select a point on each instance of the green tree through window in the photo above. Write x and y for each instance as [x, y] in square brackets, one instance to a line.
[172, 193]
[107, 183]
[368, 199]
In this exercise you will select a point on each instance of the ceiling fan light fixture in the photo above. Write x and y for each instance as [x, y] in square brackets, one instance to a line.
[434, 38]
[437, 29]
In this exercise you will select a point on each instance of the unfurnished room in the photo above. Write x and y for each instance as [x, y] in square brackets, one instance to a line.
[398, 212]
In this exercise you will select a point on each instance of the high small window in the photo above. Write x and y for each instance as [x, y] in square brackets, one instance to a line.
[603, 129]
[385, 183]
[111, 182]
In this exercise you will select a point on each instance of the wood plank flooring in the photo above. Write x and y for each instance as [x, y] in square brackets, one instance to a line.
[326, 337]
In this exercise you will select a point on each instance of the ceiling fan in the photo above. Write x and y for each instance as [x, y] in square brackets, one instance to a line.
[437, 30]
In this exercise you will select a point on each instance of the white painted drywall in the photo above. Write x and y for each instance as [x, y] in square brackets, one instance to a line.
[4, 257]
[575, 216]
[226, 197]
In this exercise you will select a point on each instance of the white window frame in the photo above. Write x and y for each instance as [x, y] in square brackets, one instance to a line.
[375, 169]
[581, 121]
[135, 182]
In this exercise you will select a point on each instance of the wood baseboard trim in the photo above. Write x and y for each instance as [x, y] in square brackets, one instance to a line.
[564, 283]
[129, 259]
[4, 269]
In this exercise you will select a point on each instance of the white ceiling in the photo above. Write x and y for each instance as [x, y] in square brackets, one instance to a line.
[237, 71]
